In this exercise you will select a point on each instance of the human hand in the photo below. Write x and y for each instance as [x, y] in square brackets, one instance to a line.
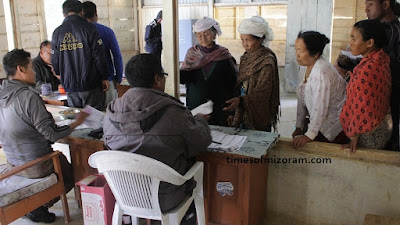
[230, 120]
[234, 103]
[79, 119]
[352, 145]
[296, 132]
[116, 84]
[205, 117]
[106, 85]
[300, 141]
[340, 70]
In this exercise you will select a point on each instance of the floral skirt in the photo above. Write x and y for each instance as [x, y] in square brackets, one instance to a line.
[378, 137]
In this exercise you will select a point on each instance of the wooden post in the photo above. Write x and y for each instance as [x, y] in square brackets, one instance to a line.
[170, 53]
[211, 8]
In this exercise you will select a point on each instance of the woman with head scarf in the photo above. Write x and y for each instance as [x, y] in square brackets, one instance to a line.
[209, 71]
[258, 82]
[321, 93]
[365, 116]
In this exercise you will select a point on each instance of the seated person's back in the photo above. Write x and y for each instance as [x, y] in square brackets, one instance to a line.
[148, 121]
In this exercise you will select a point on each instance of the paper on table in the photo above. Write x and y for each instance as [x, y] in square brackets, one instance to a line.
[206, 108]
[228, 142]
[69, 121]
[351, 56]
[95, 118]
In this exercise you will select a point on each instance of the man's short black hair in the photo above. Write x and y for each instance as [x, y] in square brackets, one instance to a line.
[44, 44]
[89, 9]
[140, 70]
[14, 58]
[74, 6]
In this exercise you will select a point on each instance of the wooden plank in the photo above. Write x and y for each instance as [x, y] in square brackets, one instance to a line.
[335, 150]
[170, 54]
[381, 220]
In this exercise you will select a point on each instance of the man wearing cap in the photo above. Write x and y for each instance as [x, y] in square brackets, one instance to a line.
[153, 36]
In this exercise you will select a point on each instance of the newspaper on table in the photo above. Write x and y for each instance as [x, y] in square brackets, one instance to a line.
[205, 109]
[226, 142]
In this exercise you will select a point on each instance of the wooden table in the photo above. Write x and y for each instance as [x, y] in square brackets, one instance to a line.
[247, 203]
[55, 99]
[80, 150]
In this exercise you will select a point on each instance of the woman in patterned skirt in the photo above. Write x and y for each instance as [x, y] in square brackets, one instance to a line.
[365, 116]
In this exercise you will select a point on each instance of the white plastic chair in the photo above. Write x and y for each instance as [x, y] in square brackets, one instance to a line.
[135, 179]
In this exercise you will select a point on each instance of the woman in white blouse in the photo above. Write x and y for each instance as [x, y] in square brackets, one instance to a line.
[321, 93]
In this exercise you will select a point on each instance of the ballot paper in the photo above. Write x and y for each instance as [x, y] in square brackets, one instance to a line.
[351, 56]
[206, 108]
[69, 121]
[226, 142]
[95, 118]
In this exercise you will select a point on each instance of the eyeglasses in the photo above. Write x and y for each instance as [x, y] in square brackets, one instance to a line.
[165, 74]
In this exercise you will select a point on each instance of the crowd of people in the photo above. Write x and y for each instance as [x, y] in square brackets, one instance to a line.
[83, 57]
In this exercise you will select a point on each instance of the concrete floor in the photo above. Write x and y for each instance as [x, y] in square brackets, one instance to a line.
[285, 128]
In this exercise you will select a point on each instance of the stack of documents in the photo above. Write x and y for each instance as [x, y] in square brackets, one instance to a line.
[226, 142]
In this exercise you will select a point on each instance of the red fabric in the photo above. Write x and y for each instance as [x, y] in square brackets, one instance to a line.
[195, 58]
[367, 95]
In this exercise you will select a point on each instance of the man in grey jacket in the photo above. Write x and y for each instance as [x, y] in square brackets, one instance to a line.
[150, 122]
[27, 129]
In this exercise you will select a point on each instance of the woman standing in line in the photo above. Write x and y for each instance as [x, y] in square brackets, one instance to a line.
[258, 82]
[321, 93]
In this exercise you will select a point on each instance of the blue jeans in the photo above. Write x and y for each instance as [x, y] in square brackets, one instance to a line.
[94, 98]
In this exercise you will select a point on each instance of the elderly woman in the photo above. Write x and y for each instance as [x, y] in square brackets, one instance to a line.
[258, 82]
[321, 93]
[209, 71]
[365, 116]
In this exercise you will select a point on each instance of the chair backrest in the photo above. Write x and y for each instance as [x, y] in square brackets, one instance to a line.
[134, 180]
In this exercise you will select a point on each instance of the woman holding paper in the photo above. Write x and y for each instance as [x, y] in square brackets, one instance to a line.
[320, 93]
[365, 116]
[209, 71]
[258, 82]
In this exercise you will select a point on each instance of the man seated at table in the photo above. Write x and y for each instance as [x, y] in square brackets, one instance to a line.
[27, 129]
[43, 68]
[147, 121]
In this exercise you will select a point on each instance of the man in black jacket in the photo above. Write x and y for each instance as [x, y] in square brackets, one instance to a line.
[153, 36]
[43, 68]
[79, 57]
